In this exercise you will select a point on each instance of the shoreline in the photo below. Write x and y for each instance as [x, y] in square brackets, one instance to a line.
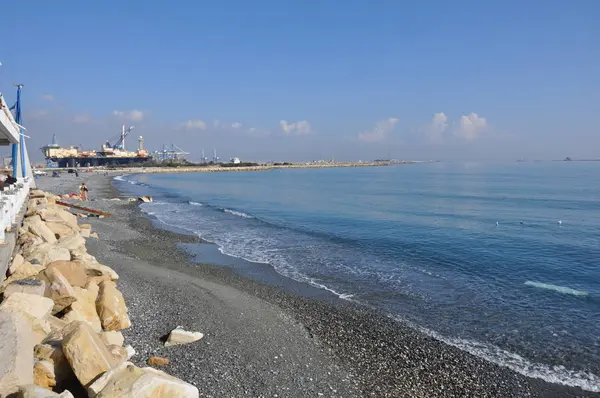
[217, 169]
[373, 354]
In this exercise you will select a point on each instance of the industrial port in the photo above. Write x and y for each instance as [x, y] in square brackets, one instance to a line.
[109, 154]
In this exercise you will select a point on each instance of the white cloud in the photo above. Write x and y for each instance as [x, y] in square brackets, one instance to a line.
[216, 123]
[133, 115]
[48, 97]
[437, 127]
[470, 126]
[301, 127]
[83, 118]
[236, 125]
[381, 130]
[195, 125]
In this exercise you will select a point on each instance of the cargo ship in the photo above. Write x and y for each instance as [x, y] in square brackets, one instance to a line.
[108, 155]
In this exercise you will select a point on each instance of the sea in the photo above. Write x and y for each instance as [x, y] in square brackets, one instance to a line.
[500, 260]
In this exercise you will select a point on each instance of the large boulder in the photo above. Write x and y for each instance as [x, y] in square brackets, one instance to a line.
[36, 226]
[111, 307]
[52, 352]
[56, 324]
[84, 309]
[16, 361]
[100, 272]
[72, 270]
[127, 380]
[85, 352]
[16, 263]
[37, 306]
[58, 288]
[43, 374]
[29, 286]
[73, 242]
[112, 337]
[60, 229]
[27, 270]
[33, 391]
[57, 212]
[46, 254]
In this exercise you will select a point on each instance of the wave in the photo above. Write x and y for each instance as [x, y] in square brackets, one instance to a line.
[237, 213]
[120, 177]
[556, 288]
[194, 203]
[552, 374]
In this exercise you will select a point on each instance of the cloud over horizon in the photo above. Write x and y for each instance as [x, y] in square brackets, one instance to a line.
[47, 97]
[471, 126]
[437, 127]
[195, 125]
[301, 127]
[380, 132]
[131, 116]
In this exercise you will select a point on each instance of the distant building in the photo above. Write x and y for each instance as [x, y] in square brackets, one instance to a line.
[235, 160]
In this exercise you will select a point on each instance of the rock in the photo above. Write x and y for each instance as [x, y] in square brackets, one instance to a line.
[36, 226]
[180, 336]
[58, 288]
[27, 242]
[85, 233]
[27, 270]
[119, 353]
[84, 309]
[37, 306]
[43, 374]
[73, 271]
[60, 229]
[56, 324]
[111, 307]
[145, 199]
[81, 254]
[53, 353]
[33, 391]
[94, 235]
[158, 361]
[67, 217]
[127, 380]
[16, 263]
[86, 353]
[112, 337]
[130, 351]
[100, 272]
[29, 286]
[85, 226]
[73, 242]
[47, 253]
[16, 361]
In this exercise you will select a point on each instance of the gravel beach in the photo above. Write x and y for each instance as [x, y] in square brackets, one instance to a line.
[262, 341]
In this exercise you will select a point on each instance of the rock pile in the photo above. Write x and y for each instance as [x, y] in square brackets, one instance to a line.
[61, 318]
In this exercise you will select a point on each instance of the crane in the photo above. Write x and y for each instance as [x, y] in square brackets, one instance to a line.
[121, 142]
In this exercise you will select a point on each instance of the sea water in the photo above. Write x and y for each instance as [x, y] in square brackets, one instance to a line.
[501, 260]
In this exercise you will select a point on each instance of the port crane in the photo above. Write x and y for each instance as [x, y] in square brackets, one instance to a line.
[120, 144]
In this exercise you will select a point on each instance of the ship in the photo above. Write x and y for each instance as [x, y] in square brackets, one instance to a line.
[108, 155]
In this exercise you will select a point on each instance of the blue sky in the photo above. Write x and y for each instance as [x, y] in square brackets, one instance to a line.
[301, 80]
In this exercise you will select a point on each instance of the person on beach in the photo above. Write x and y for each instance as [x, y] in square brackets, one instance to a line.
[83, 192]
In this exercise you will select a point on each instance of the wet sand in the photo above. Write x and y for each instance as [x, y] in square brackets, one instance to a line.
[263, 340]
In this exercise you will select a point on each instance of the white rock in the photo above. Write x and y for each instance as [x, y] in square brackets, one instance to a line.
[130, 351]
[33, 391]
[73, 242]
[16, 361]
[37, 306]
[127, 380]
[180, 336]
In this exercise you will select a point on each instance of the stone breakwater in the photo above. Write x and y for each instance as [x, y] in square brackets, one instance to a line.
[62, 314]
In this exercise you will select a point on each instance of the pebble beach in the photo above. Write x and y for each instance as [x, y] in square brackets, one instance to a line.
[262, 341]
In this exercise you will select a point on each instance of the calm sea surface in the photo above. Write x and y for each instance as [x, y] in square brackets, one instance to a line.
[500, 260]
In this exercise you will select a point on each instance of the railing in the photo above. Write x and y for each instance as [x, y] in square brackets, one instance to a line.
[12, 201]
